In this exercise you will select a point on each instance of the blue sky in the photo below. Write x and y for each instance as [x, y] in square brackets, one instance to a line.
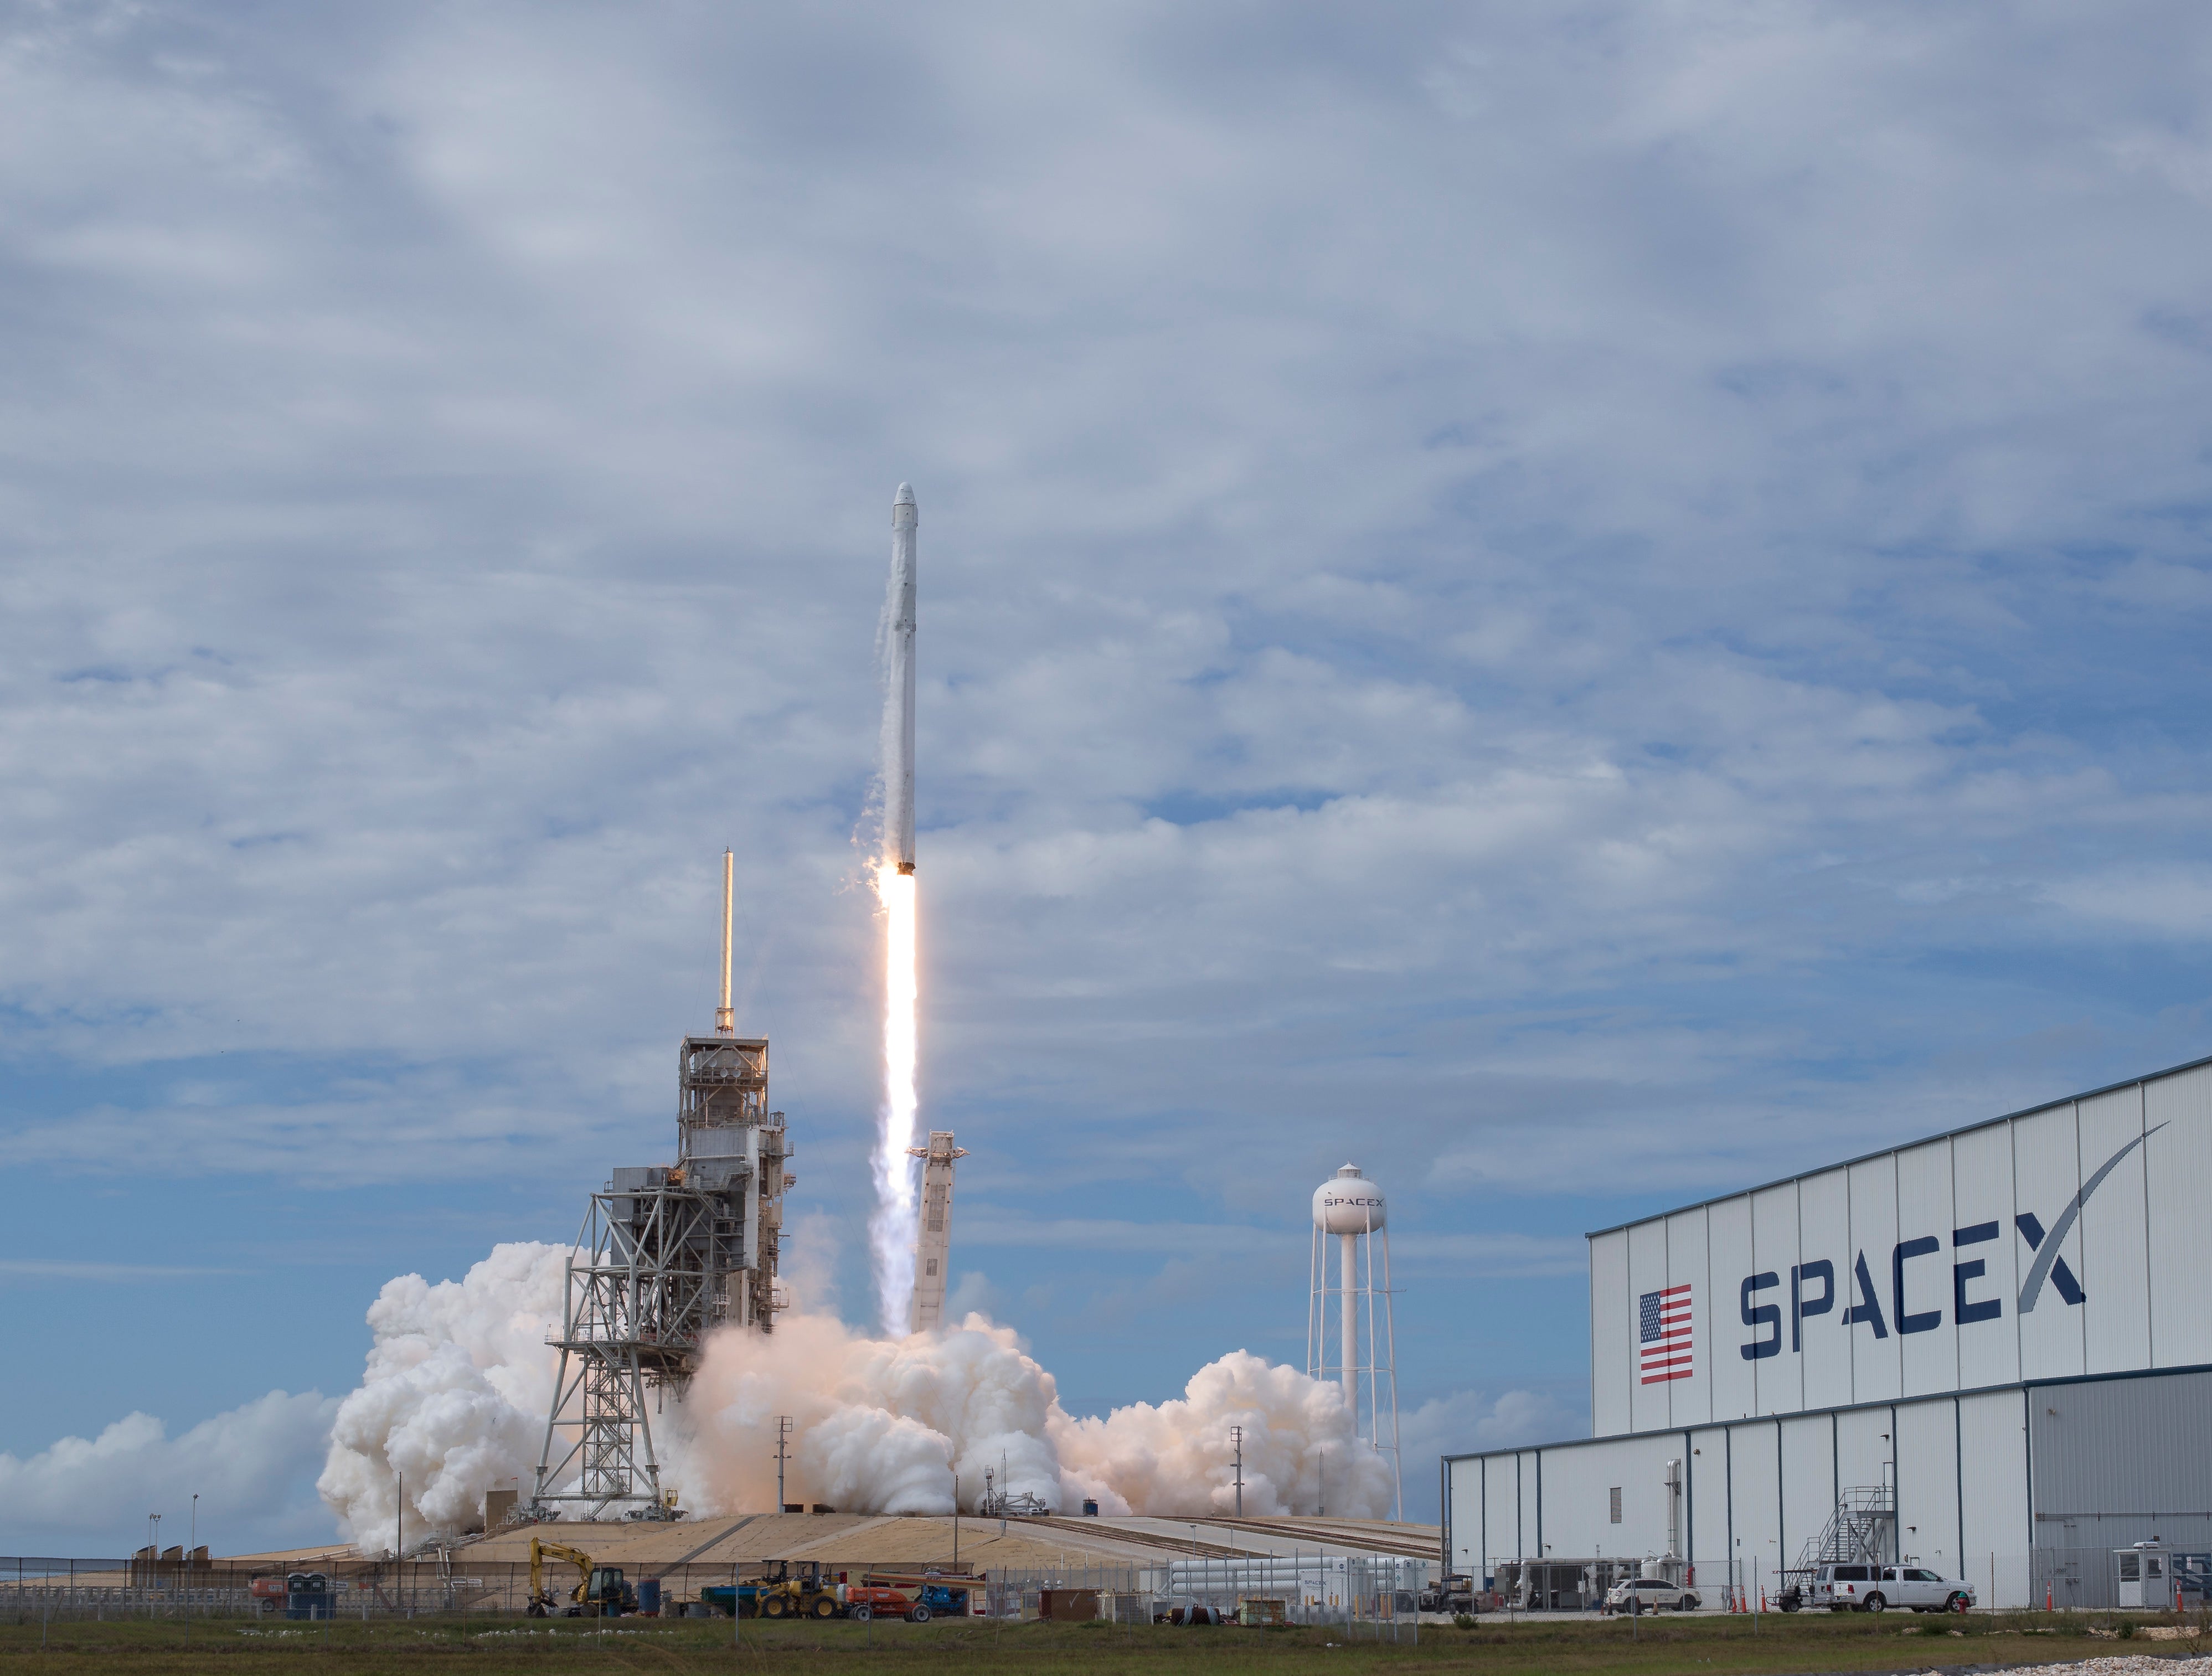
[1584, 604]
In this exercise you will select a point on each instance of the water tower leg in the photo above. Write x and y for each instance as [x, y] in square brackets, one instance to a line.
[1349, 1243]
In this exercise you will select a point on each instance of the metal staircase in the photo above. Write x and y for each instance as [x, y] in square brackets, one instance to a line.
[1862, 1529]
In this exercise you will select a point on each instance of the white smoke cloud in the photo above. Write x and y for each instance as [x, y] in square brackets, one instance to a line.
[454, 1400]
[882, 1425]
[459, 1379]
[1300, 1447]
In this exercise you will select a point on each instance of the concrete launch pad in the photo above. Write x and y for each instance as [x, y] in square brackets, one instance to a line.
[914, 1540]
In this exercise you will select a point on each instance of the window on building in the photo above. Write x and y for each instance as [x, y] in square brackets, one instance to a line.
[1616, 1494]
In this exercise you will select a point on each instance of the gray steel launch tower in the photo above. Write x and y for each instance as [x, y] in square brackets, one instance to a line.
[666, 1255]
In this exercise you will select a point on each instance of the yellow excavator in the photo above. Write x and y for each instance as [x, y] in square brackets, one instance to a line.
[600, 1590]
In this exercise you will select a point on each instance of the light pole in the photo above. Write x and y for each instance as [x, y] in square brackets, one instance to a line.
[1236, 1436]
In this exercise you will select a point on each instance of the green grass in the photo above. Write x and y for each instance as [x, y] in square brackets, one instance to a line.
[492, 1647]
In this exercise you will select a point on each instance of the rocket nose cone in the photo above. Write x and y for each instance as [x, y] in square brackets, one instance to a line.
[905, 496]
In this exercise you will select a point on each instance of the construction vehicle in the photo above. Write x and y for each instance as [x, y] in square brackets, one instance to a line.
[928, 1593]
[600, 1590]
[1452, 1594]
[809, 1595]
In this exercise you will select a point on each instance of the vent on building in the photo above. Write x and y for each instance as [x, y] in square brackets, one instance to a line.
[1616, 1494]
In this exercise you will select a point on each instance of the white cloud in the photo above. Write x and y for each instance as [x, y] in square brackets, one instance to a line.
[252, 1469]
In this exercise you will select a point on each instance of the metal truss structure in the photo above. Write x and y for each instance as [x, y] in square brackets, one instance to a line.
[665, 1255]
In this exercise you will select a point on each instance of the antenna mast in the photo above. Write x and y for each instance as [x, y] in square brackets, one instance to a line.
[725, 1019]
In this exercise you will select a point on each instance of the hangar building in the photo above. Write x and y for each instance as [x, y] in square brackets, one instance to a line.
[1988, 1353]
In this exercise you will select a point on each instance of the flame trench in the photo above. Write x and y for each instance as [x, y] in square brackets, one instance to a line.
[891, 1228]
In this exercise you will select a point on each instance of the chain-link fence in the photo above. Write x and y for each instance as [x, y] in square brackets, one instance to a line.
[63, 1588]
[1368, 1597]
[1364, 1597]
[2062, 1579]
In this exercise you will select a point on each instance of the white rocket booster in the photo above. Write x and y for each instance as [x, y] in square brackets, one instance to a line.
[898, 770]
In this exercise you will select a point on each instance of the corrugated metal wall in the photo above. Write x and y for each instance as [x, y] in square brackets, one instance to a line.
[2121, 1461]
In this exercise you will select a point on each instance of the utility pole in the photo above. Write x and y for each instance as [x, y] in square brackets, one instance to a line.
[782, 1454]
[1236, 1436]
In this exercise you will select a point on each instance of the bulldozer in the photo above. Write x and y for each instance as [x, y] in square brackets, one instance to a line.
[600, 1590]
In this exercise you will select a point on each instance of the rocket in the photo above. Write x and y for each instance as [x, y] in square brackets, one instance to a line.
[898, 770]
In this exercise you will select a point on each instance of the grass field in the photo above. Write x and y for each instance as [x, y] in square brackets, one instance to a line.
[429, 1646]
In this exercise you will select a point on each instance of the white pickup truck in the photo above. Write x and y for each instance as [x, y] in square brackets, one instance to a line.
[1878, 1588]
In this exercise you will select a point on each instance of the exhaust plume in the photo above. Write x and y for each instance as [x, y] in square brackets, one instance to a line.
[891, 1228]
[453, 1399]
[455, 1391]
[892, 1225]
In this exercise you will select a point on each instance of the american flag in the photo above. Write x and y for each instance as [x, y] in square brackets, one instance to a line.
[1662, 1326]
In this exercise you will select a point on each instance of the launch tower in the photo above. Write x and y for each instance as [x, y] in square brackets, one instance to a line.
[933, 1236]
[666, 1255]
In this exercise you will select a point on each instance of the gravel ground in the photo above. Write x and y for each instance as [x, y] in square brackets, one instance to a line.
[2126, 1664]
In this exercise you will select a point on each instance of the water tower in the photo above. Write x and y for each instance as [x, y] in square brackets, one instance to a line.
[1351, 1224]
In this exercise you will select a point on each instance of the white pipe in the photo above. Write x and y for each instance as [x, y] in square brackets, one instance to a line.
[1316, 1302]
[1350, 1263]
[1388, 1359]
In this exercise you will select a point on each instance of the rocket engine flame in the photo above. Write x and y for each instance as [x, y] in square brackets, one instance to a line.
[891, 1228]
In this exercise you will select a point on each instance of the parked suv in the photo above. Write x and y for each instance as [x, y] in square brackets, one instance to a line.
[1877, 1588]
[1647, 1594]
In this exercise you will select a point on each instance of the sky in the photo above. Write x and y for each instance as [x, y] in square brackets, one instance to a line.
[1584, 604]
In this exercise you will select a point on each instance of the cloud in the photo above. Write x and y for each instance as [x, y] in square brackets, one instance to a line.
[251, 1469]
[41, 1268]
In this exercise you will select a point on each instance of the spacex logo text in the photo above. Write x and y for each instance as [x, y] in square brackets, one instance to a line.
[1813, 1286]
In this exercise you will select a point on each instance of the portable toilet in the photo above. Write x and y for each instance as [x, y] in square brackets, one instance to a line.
[2146, 1576]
